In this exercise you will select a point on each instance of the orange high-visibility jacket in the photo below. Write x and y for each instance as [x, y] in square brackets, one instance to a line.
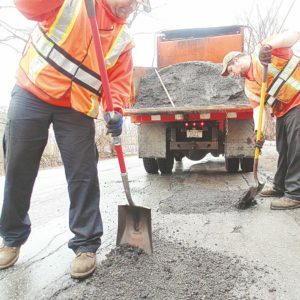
[283, 81]
[59, 64]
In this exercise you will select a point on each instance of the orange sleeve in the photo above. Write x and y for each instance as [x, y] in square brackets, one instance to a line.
[38, 10]
[120, 79]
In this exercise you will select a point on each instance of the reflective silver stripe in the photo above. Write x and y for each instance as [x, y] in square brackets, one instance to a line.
[93, 112]
[295, 84]
[43, 45]
[58, 32]
[290, 67]
[117, 48]
[271, 100]
[275, 86]
[65, 21]
[88, 79]
[251, 95]
[285, 77]
[63, 62]
[39, 63]
[273, 70]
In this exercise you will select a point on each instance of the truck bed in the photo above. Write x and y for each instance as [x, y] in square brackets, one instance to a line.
[185, 110]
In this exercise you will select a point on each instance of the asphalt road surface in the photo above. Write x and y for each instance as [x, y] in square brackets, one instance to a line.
[204, 248]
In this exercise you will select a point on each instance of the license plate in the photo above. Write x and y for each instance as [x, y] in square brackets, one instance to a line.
[193, 133]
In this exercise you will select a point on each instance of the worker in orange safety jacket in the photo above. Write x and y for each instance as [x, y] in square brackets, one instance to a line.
[281, 54]
[58, 83]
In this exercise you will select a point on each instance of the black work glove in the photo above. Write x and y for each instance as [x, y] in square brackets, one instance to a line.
[114, 123]
[258, 143]
[265, 54]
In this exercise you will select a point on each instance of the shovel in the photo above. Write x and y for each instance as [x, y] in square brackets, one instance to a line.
[248, 198]
[134, 222]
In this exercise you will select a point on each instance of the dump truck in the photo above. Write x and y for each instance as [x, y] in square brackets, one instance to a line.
[171, 130]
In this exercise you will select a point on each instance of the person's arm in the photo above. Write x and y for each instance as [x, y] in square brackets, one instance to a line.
[38, 10]
[120, 78]
[283, 40]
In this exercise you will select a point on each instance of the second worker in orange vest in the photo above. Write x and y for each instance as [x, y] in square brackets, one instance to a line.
[283, 81]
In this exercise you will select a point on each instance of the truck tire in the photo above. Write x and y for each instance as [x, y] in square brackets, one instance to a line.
[247, 164]
[232, 164]
[150, 165]
[165, 165]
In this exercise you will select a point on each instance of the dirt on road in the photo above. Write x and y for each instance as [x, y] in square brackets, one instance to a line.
[173, 272]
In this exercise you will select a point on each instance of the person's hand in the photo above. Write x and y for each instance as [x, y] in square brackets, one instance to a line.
[265, 54]
[258, 143]
[114, 123]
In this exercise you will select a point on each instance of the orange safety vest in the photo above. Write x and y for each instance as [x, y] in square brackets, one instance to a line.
[283, 79]
[62, 58]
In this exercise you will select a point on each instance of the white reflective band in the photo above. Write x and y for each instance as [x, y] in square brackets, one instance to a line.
[179, 117]
[231, 115]
[63, 62]
[295, 84]
[271, 100]
[289, 68]
[88, 79]
[93, 112]
[117, 48]
[155, 118]
[43, 45]
[37, 64]
[275, 87]
[205, 116]
[273, 70]
[64, 21]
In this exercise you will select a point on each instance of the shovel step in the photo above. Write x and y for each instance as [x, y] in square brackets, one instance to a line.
[134, 227]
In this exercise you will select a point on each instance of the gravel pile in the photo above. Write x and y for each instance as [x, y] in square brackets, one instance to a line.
[190, 84]
[172, 272]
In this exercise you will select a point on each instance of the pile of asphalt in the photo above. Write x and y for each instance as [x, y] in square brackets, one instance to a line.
[190, 84]
[172, 272]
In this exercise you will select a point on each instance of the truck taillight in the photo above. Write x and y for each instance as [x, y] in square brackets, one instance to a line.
[186, 124]
[194, 124]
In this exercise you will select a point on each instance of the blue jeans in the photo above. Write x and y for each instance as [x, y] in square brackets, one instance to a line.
[25, 138]
[287, 177]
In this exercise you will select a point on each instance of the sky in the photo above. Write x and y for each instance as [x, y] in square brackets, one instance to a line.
[166, 14]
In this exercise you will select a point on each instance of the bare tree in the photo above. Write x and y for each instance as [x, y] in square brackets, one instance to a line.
[261, 22]
[10, 35]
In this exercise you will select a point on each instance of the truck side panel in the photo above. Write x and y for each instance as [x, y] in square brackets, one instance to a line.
[198, 45]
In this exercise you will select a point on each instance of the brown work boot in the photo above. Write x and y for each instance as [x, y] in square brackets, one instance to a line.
[8, 256]
[83, 265]
[271, 192]
[284, 203]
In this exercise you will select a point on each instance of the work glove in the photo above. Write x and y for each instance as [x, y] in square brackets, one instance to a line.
[114, 123]
[258, 143]
[265, 54]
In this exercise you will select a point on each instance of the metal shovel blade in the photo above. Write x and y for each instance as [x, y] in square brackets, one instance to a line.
[248, 198]
[134, 227]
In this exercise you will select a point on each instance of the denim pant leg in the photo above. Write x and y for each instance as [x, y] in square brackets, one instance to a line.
[75, 136]
[281, 147]
[25, 138]
[292, 178]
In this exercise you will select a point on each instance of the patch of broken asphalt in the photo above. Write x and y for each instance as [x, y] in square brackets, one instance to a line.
[172, 272]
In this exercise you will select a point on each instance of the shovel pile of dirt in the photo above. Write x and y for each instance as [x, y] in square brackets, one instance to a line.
[172, 272]
[190, 84]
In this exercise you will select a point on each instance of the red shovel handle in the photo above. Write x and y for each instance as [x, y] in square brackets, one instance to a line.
[90, 6]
